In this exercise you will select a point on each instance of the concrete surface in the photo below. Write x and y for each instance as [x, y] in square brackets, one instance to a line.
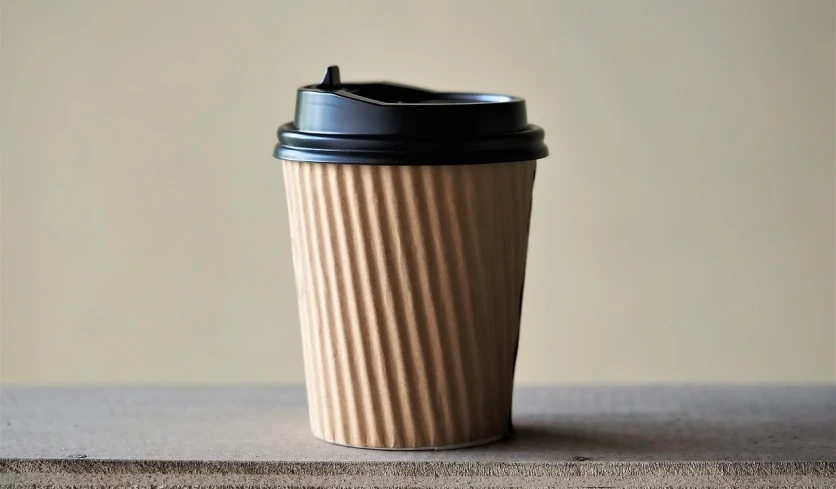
[777, 436]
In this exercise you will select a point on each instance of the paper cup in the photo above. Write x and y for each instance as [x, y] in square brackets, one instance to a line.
[410, 283]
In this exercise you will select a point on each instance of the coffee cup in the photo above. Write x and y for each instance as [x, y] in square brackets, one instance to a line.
[409, 212]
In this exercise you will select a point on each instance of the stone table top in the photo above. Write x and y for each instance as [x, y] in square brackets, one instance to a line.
[575, 436]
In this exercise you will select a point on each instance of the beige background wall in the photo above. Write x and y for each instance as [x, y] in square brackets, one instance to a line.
[683, 227]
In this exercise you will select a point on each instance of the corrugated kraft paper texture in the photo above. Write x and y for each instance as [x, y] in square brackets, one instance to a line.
[410, 285]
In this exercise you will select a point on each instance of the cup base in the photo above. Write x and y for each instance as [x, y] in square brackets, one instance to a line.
[483, 441]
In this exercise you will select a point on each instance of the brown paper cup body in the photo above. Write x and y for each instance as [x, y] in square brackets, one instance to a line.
[410, 284]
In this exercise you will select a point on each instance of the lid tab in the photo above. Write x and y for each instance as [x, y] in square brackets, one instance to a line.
[331, 78]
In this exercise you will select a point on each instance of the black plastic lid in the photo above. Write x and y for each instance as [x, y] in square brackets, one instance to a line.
[391, 124]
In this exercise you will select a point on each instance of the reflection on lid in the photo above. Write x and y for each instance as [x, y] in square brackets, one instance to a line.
[392, 93]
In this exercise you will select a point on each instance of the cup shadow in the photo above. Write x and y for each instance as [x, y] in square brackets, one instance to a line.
[581, 439]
